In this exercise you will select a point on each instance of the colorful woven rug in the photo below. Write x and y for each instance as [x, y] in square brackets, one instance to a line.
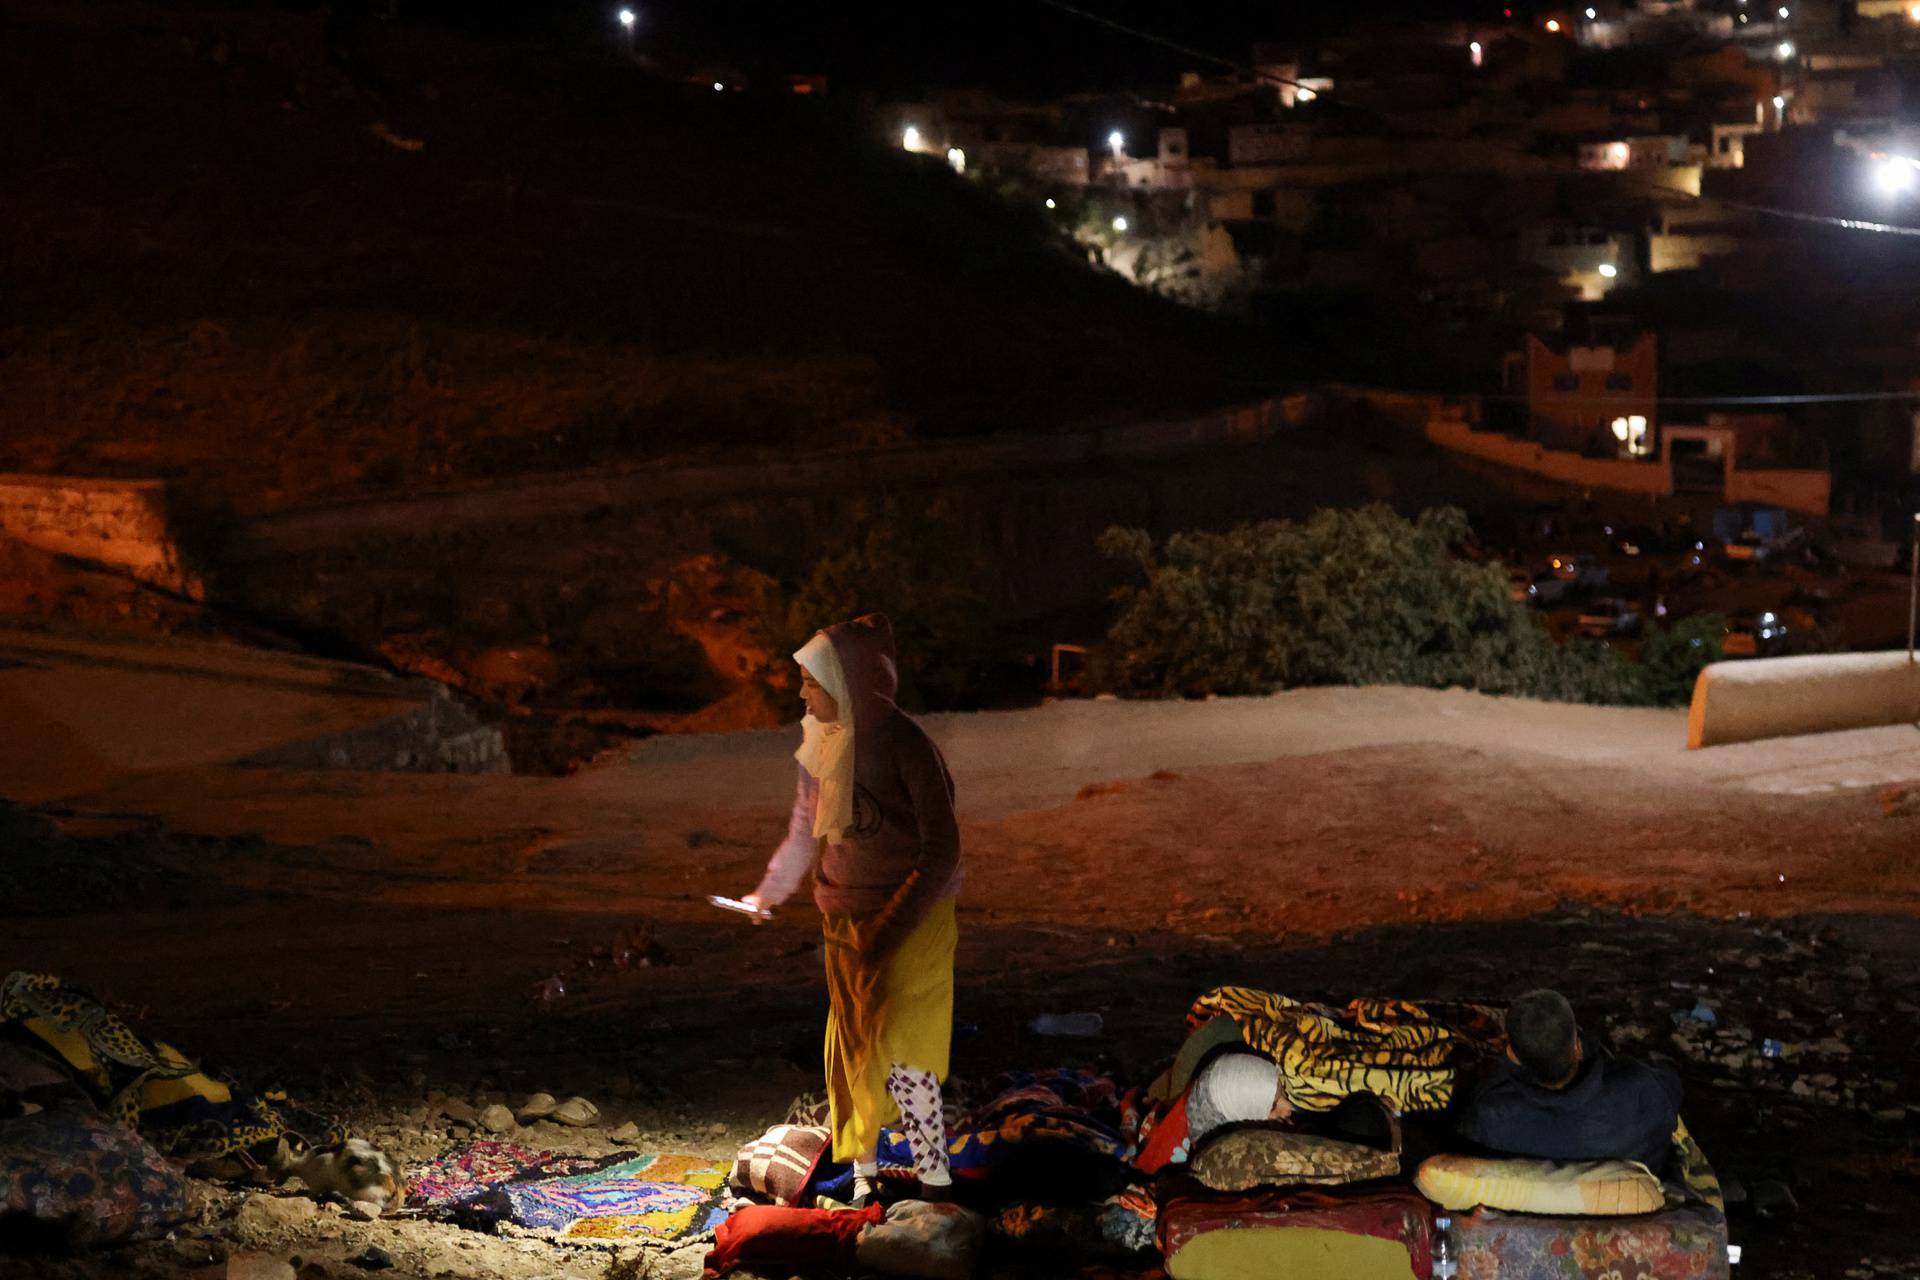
[658, 1198]
[474, 1168]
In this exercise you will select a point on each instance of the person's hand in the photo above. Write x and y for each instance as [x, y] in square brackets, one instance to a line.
[759, 907]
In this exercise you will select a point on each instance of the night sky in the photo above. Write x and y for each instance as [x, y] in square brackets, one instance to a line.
[1018, 46]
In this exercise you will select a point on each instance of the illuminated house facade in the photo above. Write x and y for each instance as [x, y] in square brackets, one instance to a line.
[1598, 400]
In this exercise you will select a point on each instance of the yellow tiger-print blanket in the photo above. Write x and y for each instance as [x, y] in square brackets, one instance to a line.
[1407, 1054]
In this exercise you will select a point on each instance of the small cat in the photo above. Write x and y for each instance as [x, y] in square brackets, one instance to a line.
[358, 1172]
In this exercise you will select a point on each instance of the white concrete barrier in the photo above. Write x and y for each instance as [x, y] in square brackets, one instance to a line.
[1814, 693]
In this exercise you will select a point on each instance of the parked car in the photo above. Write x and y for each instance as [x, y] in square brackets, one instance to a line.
[1579, 570]
[1637, 540]
[1760, 636]
[1538, 588]
[1609, 616]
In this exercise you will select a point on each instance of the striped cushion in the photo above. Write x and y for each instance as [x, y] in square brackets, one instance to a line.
[1590, 1188]
[778, 1165]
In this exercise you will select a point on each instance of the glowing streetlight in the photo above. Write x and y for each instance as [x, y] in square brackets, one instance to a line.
[957, 159]
[1784, 14]
[1608, 271]
[1592, 14]
[1913, 13]
[1305, 95]
[1553, 25]
[1051, 204]
[1785, 50]
[1118, 142]
[910, 138]
[1120, 223]
[1779, 103]
[627, 18]
[719, 87]
[1477, 53]
[1895, 176]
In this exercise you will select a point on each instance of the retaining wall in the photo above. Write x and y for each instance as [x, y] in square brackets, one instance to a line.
[532, 500]
[119, 524]
[1555, 464]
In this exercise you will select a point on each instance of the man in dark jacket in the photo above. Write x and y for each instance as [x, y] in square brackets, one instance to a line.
[1559, 1099]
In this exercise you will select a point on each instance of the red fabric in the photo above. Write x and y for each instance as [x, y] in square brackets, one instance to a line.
[1396, 1214]
[769, 1235]
[1166, 1140]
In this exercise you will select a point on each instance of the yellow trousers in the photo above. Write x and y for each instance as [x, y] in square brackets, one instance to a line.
[898, 1014]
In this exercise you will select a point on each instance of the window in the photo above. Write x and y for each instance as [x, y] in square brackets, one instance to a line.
[1263, 204]
[1566, 382]
[1619, 382]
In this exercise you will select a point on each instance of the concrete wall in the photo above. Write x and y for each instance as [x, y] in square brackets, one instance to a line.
[1813, 693]
[120, 524]
[529, 501]
[1805, 491]
[1555, 464]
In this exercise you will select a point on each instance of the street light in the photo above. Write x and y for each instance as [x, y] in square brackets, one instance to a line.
[1785, 50]
[1779, 103]
[1553, 25]
[1120, 223]
[1476, 53]
[1592, 14]
[1608, 271]
[1784, 15]
[627, 18]
[910, 138]
[1051, 204]
[718, 87]
[1895, 175]
[1118, 141]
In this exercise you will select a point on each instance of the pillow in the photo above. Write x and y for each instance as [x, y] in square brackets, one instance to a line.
[926, 1241]
[1588, 1188]
[763, 1237]
[779, 1164]
[1243, 1157]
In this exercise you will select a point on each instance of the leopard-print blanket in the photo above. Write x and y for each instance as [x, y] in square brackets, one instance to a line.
[190, 1113]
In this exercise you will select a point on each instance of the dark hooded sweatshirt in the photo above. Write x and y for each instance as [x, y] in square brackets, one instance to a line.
[901, 856]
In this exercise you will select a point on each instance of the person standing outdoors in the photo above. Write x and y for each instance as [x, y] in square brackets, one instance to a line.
[873, 819]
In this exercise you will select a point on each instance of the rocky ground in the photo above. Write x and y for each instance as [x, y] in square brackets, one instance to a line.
[392, 948]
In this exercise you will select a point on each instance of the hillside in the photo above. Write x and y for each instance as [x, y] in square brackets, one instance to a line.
[282, 268]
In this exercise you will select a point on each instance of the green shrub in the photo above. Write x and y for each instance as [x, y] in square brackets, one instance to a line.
[914, 565]
[1358, 597]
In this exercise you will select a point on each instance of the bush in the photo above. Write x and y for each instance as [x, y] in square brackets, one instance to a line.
[915, 567]
[1359, 597]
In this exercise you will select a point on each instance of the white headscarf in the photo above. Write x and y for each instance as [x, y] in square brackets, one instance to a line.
[826, 750]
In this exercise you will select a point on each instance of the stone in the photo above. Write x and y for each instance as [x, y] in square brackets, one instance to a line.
[250, 1265]
[719, 1129]
[363, 1211]
[628, 1132]
[576, 1112]
[538, 1106]
[496, 1119]
[263, 1214]
[1773, 1199]
[459, 1111]
[372, 1258]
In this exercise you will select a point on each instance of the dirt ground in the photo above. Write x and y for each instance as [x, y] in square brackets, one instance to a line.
[375, 943]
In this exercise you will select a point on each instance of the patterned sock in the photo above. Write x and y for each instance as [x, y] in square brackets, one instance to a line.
[917, 1094]
[866, 1180]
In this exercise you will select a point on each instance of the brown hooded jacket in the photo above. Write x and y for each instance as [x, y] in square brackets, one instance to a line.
[901, 856]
